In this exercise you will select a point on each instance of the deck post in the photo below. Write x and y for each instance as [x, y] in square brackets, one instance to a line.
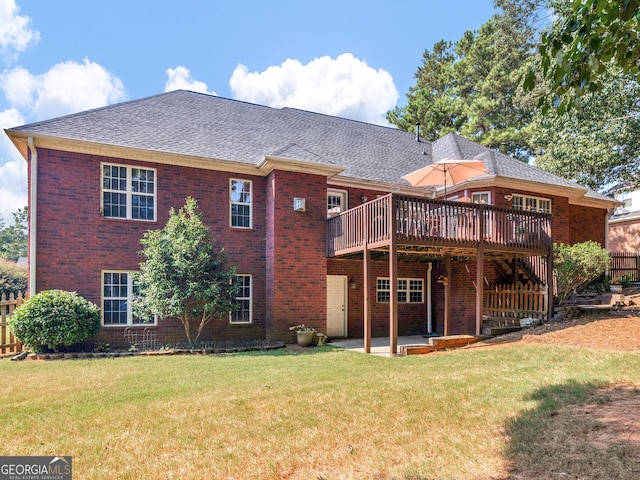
[550, 288]
[367, 287]
[393, 278]
[480, 273]
[479, 287]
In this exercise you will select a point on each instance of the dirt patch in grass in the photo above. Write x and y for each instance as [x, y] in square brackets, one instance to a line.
[618, 417]
[598, 439]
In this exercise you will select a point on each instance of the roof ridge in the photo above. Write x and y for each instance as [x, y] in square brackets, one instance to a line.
[97, 109]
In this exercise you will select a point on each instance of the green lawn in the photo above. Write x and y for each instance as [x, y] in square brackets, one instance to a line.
[330, 414]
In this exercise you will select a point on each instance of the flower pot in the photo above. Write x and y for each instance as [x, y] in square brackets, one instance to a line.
[615, 288]
[305, 338]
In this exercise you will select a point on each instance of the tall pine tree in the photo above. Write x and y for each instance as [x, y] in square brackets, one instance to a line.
[472, 87]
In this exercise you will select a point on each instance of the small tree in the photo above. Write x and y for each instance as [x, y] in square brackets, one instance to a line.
[184, 275]
[13, 277]
[13, 239]
[53, 319]
[577, 265]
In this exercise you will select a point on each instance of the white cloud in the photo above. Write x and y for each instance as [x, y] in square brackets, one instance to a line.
[179, 78]
[345, 87]
[15, 33]
[67, 87]
[13, 169]
[19, 87]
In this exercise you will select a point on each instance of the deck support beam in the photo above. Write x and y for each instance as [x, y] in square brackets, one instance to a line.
[447, 294]
[480, 271]
[367, 295]
[550, 285]
[479, 287]
[393, 283]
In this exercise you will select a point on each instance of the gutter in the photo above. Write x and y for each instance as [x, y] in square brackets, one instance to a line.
[429, 319]
[33, 214]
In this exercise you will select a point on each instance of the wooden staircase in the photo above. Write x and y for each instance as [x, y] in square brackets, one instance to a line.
[524, 271]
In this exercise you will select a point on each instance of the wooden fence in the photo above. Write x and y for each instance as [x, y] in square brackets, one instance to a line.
[624, 266]
[516, 301]
[8, 343]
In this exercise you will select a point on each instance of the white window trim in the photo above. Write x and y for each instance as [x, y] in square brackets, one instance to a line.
[531, 197]
[250, 298]
[338, 192]
[129, 191]
[249, 203]
[407, 290]
[130, 276]
[488, 194]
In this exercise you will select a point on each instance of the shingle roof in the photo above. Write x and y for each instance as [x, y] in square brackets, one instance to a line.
[188, 123]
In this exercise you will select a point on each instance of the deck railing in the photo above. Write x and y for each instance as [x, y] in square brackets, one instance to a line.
[421, 221]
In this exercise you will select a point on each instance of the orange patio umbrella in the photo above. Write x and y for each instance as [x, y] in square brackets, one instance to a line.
[445, 172]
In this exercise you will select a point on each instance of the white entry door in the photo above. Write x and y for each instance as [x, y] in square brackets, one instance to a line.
[336, 306]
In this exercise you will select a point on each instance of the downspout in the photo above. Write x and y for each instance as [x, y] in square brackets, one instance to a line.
[33, 214]
[429, 315]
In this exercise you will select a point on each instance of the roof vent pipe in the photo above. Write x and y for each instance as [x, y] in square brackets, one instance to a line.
[417, 131]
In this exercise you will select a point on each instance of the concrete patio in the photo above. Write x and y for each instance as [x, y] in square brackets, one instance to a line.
[379, 345]
[415, 344]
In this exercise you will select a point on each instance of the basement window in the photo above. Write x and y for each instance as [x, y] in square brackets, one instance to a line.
[410, 290]
[242, 313]
[118, 290]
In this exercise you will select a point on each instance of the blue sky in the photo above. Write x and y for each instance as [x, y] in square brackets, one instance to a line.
[350, 58]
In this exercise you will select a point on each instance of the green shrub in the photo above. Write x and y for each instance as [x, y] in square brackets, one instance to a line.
[13, 278]
[576, 265]
[53, 319]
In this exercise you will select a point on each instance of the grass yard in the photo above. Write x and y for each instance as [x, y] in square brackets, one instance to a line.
[473, 414]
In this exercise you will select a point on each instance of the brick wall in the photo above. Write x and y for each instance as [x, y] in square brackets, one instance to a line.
[624, 236]
[412, 317]
[296, 253]
[75, 243]
[588, 224]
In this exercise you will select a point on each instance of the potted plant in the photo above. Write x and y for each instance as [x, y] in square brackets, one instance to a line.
[304, 334]
[615, 286]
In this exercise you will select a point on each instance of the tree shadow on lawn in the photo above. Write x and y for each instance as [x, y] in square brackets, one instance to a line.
[578, 430]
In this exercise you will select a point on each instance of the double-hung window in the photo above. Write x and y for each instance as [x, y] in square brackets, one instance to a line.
[118, 290]
[410, 290]
[128, 192]
[242, 313]
[241, 203]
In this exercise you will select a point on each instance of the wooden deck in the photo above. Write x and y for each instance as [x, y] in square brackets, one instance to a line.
[405, 225]
[438, 227]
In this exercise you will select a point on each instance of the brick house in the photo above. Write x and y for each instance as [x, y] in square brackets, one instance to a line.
[624, 222]
[311, 209]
